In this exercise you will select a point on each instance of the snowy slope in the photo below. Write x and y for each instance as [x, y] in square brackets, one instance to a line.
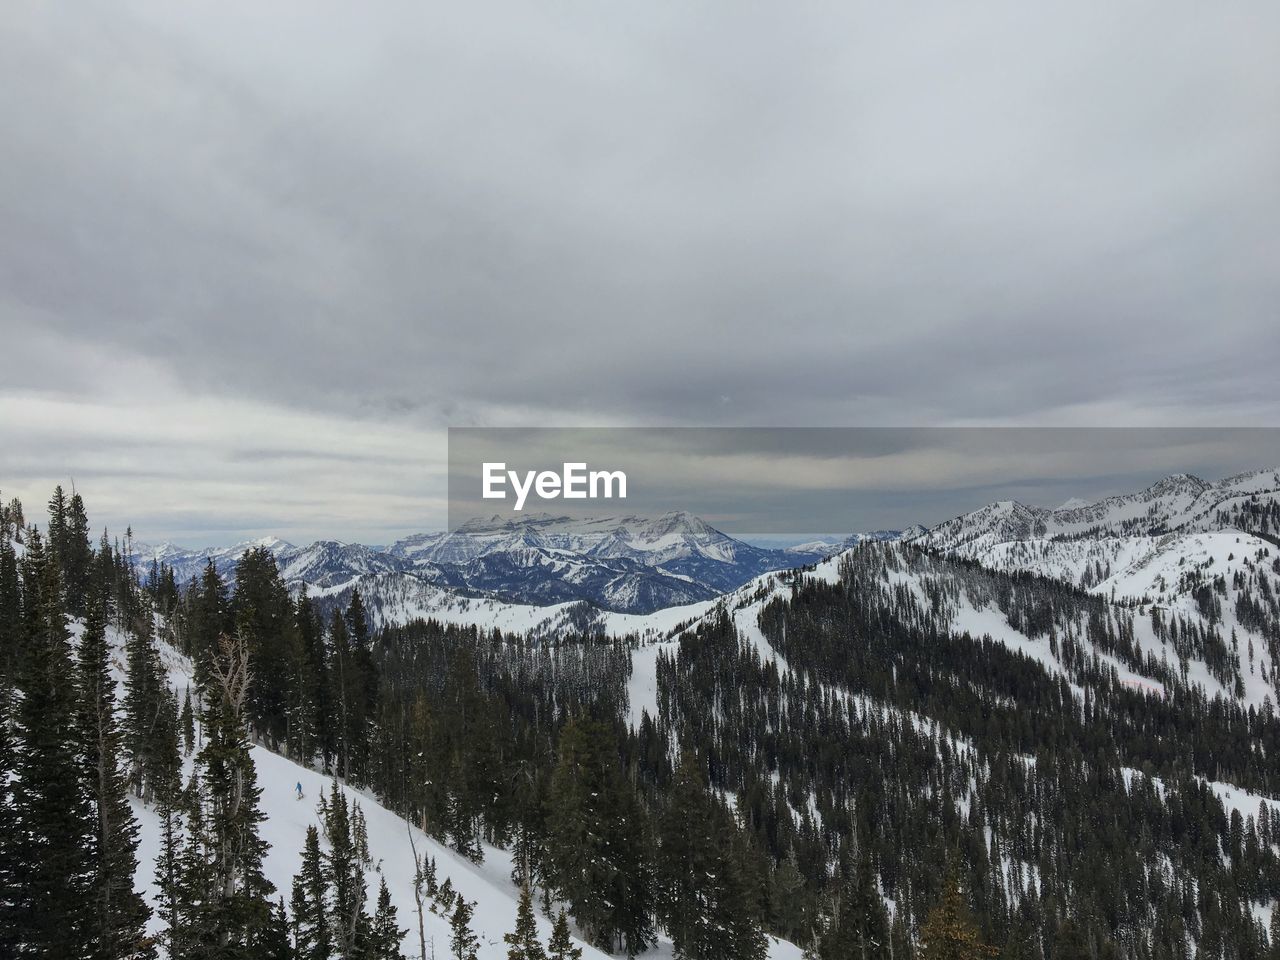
[1143, 569]
[1159, 576]
[1183, 548]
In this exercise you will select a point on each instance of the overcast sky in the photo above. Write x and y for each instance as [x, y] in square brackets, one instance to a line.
[254, 258]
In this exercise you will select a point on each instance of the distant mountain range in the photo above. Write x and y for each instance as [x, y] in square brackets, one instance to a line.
[636, 565]
[628, 564]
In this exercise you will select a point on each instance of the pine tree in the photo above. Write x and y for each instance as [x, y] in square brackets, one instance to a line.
[358, 685]
[207, 619]
[311, 936]
[788, 900]
[236, 912]
[120, 914]
[900, 939]
[57, 542]
[703, 896]
[54, 829]
[596, 840]
[10, 614]
[349, 687]
[264, 618]
[78, 556]
[1070, 942]
[10, 646]
[187, 725]
[384, 935]
[860, 928]
[561, 945]
[949, 933]
[306, 681]
[346, 879]
[171, 803]
[316, 670]
[738, 905]
[273, 943]
[169, 872]
[462, 942]
[144, 704]
[523, 943]
[360, 836]
[686, 850]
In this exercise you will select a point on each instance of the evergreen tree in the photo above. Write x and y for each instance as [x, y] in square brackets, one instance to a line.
[311, 937]
[10, 646]
[384, 935]
[346, 880]
[263, 615]
[58, 527]
[172, 904]
[949, 933]
[462, 942]
[144, 737]
[860, 928]
[120, 914]
[523, 943]
[561, 945]
[1070, 942]
[77, 557]
[702, 891]
[307, 708]
[350, 686]
[187, 725]
[206, 619]
[597, 842]
[10, 614]
[274, 943]
[235, 913]
[54, 830]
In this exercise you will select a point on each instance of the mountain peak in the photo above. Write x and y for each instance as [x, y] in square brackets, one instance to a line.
[1178, 483]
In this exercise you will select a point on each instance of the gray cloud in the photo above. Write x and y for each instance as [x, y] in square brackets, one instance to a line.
[253, 245]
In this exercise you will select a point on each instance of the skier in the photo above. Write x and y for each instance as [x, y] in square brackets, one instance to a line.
[298, 788]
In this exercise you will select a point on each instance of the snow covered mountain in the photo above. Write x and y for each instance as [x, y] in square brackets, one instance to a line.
[628, 564]
[1196, 554]
[803, 552]
[189, 564]
[677, 543]
[1247, 501]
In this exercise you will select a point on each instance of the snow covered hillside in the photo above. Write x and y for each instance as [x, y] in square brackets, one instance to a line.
[1201, 556]
[487, 884]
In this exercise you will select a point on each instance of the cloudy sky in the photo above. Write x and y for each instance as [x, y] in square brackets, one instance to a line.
[255, 258]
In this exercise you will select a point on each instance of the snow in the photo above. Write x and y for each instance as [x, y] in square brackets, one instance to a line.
[642, 687]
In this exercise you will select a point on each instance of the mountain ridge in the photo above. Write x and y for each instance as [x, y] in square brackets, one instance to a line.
[629, 564]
